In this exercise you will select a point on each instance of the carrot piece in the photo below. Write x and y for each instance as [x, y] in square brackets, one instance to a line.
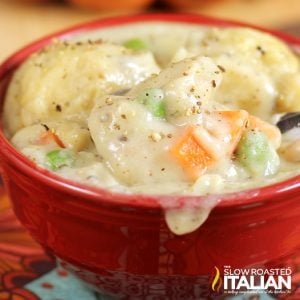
[236, 121]
[272, 132]
[194, 158]
[50, 136]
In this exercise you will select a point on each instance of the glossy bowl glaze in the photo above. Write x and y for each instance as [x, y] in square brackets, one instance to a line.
[120, 244]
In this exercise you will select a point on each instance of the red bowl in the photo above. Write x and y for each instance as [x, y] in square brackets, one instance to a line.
[119, 243]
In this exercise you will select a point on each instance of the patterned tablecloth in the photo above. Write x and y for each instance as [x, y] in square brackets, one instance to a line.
[27, 273]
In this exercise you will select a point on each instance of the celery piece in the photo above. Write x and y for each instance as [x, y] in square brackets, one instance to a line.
[56, 159]
[135, 44]
[153, 99]
[256, 154]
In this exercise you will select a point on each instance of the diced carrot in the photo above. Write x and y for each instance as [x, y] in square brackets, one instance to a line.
[191, 155]
[195, 152]
[271, 131]
[236, 121]
[48, 137]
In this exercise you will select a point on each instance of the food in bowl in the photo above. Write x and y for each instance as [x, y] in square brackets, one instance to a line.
[119, 243]
[161, 109]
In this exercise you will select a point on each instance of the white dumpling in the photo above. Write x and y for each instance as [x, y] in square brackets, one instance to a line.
[133, 142]
[189, 87]
[64, 79]
[255, 66]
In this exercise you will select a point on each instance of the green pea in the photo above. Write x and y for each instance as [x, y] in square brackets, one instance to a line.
[135, 44]
[58, 158]
[153, 99]
[256, 154]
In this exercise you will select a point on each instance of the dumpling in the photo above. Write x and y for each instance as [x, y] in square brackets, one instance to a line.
[64, 79]
[255, 66]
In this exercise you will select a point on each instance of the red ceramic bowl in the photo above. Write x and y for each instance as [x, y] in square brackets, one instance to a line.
[120, 244]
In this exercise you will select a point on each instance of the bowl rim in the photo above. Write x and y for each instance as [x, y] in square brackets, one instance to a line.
[95, 195]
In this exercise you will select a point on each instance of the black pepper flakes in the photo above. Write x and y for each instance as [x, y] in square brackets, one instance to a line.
[58, 107]
[195, 110]
[123, 138]
[221, 68]
[213, 83]
[117, 126]
[46, 127]
[261, 50]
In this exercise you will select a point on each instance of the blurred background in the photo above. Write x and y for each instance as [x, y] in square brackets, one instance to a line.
[22, 21]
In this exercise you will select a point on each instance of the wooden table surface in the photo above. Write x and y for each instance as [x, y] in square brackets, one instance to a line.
[21, 23]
